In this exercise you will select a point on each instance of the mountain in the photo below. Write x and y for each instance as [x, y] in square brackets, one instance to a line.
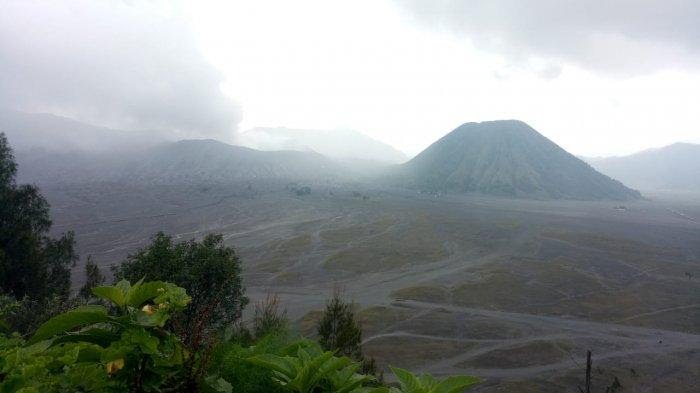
[342, 145]
[182, 162]
[216, 162]
[53, 149]
[507, 158]
[674, 167]
[53, 133]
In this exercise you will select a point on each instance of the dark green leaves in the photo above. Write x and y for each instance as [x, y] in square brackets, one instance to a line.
[79, 317]
[411, 383]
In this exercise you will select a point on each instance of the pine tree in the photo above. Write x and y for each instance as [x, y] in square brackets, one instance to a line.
[338, 331]
[93, 278]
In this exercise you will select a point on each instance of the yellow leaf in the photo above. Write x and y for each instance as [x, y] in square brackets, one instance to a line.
[114, 366]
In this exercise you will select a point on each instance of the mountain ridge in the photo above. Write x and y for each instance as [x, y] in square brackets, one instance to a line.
[341, 145]
[671, 167]
[507, 158]
[189, 161]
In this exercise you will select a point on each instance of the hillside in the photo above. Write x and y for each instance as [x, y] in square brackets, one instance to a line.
[674, 167]
[183, 162]
[53, 133]
[217, 162]
[507, 158]
[343, 145]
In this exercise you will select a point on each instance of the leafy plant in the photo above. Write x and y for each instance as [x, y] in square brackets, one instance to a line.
[230, 361]
[347, 379]
[426, 383]
[307, 367]
[90, 349]
[208, 270]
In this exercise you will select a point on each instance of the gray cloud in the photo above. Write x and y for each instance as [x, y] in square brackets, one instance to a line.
[624, 37]
[112, 63]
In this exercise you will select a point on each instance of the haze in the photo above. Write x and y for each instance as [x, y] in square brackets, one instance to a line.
[597, 78]
[501, 194]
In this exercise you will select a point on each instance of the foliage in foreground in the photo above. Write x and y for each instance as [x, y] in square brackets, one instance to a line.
[208, 270]
[306, 368]
[90, 348]
[128, 347]
[426, 383]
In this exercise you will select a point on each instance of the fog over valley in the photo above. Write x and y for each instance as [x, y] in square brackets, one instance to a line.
[376, 196]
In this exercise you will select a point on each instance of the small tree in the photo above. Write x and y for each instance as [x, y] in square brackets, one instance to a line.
[34, 268]
[269, 319]
[208, 270]
[93, 278]
[338, 331]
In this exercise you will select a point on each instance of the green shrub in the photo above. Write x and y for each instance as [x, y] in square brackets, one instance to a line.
[208, 270]
[269, 319]
[90, 349]
[230, 361]
[426, 383]
[306, 367]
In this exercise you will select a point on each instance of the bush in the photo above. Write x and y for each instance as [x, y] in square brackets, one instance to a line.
[411, 383]
[29, 313]
[127, 346]
[208, 270]
[89, 349]
[269, 319]
[304, 368]
[230, 362]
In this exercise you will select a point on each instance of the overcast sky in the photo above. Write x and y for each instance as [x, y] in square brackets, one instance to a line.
[597, 77]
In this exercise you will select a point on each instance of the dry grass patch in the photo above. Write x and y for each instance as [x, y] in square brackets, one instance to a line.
[412, 352]
[535, 353]
[423, 293]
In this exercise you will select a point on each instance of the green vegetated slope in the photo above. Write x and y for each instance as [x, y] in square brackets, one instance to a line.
[507, 158]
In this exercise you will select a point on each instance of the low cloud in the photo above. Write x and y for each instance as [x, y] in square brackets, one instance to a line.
[622, 37]
[129, 65]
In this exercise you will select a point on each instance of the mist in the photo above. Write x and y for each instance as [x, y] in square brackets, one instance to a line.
[125, 65]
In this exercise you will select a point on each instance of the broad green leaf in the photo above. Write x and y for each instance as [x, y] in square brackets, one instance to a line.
[141, 338]
[273, 362]
[347, 380]
[218, 384]
[62, 323]
[97, 336]
[70, 356]
[409, 382]
[37, 347]
[90, 353]
[140, 293]
[124, 286]
[113, 294]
